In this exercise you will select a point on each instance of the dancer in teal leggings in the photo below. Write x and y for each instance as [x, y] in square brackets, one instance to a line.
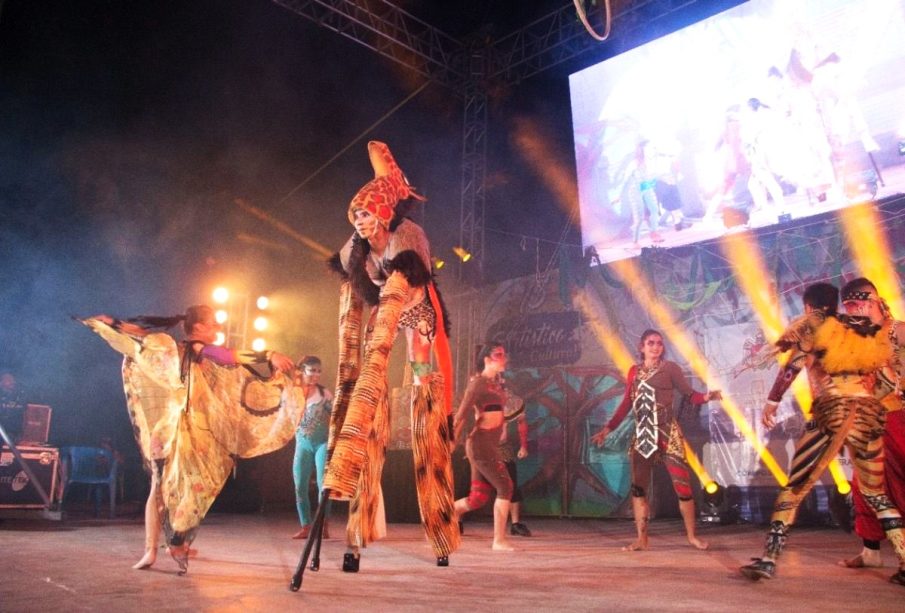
[310, 440]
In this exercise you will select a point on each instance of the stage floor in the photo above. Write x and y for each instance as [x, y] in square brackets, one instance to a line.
[245, 563]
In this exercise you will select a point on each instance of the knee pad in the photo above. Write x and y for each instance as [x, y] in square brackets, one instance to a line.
[479, 495]
[637, 491]
[891, 523]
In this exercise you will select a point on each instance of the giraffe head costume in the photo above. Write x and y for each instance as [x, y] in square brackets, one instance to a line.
[380, 195]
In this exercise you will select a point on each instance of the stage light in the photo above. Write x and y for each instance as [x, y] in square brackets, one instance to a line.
[263, 302]
[258, 344]
[221, 316]
[438, 263]
[462, 253]
[221, 338]
[260, 324]
[221, 295]
[712, 501]
[902, 147]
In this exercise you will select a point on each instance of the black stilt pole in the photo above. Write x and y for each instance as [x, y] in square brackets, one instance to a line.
[316, 560]
[314, 537]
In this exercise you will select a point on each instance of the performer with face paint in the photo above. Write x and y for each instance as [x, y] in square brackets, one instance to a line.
[650, 392]
[849, 360]
[310, 439]
[860, 297]
[387, 287]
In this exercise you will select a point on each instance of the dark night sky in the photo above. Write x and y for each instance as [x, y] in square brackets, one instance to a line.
[129, 129]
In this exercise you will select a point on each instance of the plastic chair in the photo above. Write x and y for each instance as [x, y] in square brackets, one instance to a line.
[92, 466]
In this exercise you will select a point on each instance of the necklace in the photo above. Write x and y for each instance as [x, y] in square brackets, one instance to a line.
[646, 372]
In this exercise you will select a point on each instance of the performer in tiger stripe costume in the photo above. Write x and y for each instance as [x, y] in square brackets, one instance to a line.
[848, 359]
[388, 286]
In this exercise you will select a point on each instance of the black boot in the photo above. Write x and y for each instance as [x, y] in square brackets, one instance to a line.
[350, 562]
[519, 529]
[759, 569]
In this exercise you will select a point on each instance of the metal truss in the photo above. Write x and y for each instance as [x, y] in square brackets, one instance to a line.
[474, 162]
[391, 32]
[559, 36]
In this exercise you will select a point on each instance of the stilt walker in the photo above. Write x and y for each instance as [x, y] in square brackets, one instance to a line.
[387, 283]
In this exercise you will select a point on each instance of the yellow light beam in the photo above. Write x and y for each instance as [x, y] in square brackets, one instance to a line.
[282, 227]
[744, 256]
[696, 466]
[630, 275]
[534, 145]
[591, 309]
[869, 246]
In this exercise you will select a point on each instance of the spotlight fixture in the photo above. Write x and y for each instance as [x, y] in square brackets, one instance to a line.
[221, 338]
[221, 316]
[713, 499]
[258, 344]
[221, 295]
[463, 254]
[263, 302]
[438, 263]
[260, 323]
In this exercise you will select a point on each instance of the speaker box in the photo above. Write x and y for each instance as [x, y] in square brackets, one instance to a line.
[16, 489]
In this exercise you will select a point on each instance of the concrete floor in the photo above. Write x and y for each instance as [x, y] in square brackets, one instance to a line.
[245, 563]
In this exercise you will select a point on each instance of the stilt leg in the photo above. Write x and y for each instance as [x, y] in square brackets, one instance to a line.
[314, 537]
[316, 560]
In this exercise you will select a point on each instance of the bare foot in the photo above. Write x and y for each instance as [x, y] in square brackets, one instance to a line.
[147, 560]
[861, 561]
[639, 545]
[502, 546]
[698, 543]
[302, 533]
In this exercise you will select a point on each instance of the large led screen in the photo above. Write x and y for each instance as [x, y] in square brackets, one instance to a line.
[766, 113]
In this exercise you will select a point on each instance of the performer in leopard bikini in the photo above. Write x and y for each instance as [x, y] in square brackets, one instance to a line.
[650, 392]
[387, 287]
[848, 359]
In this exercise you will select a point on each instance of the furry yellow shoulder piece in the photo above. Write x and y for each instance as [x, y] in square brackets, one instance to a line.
[848, 348]
[800, 332]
